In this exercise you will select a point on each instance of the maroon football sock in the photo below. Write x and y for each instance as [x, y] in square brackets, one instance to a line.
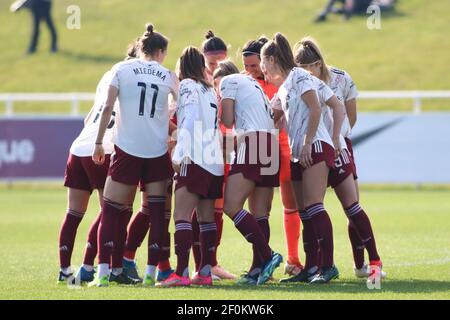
[324, 233]
[218, 215]
[357, 245]
[362, 225]
[310, 244]
[111, 212]
[263, 223]
[156, 205]
[137, 231]
[196, 248]
[67, 236]
[249, 228]
[91, 246]
[208, 240]
[163, 263]
[120, 236]
[183, 243]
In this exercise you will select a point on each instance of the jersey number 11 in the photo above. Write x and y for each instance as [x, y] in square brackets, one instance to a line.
[142, 102]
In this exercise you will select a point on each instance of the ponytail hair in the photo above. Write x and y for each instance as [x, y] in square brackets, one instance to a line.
[280, 49]
[132, 50]
[213, 44]
[253, 47]
[307, 51]
[152, 41]
[191, 65]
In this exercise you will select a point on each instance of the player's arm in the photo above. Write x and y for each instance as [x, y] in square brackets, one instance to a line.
[277, 115]
[350, 108]
[338, 119]
[86, 119]
[227, 117]
[350, 95]
[172, 128]
[185, 135]
[277, 109]
[99, 153]
[311, 100]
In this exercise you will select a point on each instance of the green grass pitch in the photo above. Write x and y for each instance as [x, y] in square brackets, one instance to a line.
[411, 226]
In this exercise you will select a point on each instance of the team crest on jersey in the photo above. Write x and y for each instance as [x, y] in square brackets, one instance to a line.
[185, 91]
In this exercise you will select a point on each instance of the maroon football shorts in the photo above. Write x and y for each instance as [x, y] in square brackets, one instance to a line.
[131, 170]
[83, 174]
[258, 159]
[321, 151]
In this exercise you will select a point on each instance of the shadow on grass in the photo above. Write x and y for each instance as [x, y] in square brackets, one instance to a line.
[350, 286]
[83, 56]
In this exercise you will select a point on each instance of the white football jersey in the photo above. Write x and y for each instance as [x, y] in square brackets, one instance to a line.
[324, 94]
[142, 123]
[83, 145]
[198, 127]
[297, 112]
[251, 107]
[345, 89]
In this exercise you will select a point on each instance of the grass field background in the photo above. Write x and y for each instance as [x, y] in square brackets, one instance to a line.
[412, 231]
[410, 52]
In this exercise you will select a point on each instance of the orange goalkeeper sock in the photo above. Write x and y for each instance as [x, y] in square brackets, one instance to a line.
[292, 233]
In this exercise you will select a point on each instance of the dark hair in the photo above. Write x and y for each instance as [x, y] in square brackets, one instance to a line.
[253, 47]
[213, 43]
[191, 65]
[152, 41]
[132, 50]
[307, 51]
[280, 49]
[225, 68]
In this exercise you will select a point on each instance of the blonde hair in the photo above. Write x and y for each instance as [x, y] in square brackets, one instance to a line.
[307, 51]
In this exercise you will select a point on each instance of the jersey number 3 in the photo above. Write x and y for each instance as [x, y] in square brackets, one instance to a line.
[142, 101]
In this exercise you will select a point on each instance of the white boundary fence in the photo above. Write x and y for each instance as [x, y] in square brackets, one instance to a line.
[75, 98]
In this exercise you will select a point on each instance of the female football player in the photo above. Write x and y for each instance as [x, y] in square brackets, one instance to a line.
[312, 148]
[86, 272]
[142, 87]
[344, 178]
[333, 123]
[215, 50]
[82, 176]
[198, 161]
[251, 58]
[255, 169]
[138, 227]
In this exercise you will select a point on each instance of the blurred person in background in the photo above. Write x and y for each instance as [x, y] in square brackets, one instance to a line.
[41, 10]
[349, 7]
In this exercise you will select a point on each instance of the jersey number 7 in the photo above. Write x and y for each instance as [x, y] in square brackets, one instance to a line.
[142, 102]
